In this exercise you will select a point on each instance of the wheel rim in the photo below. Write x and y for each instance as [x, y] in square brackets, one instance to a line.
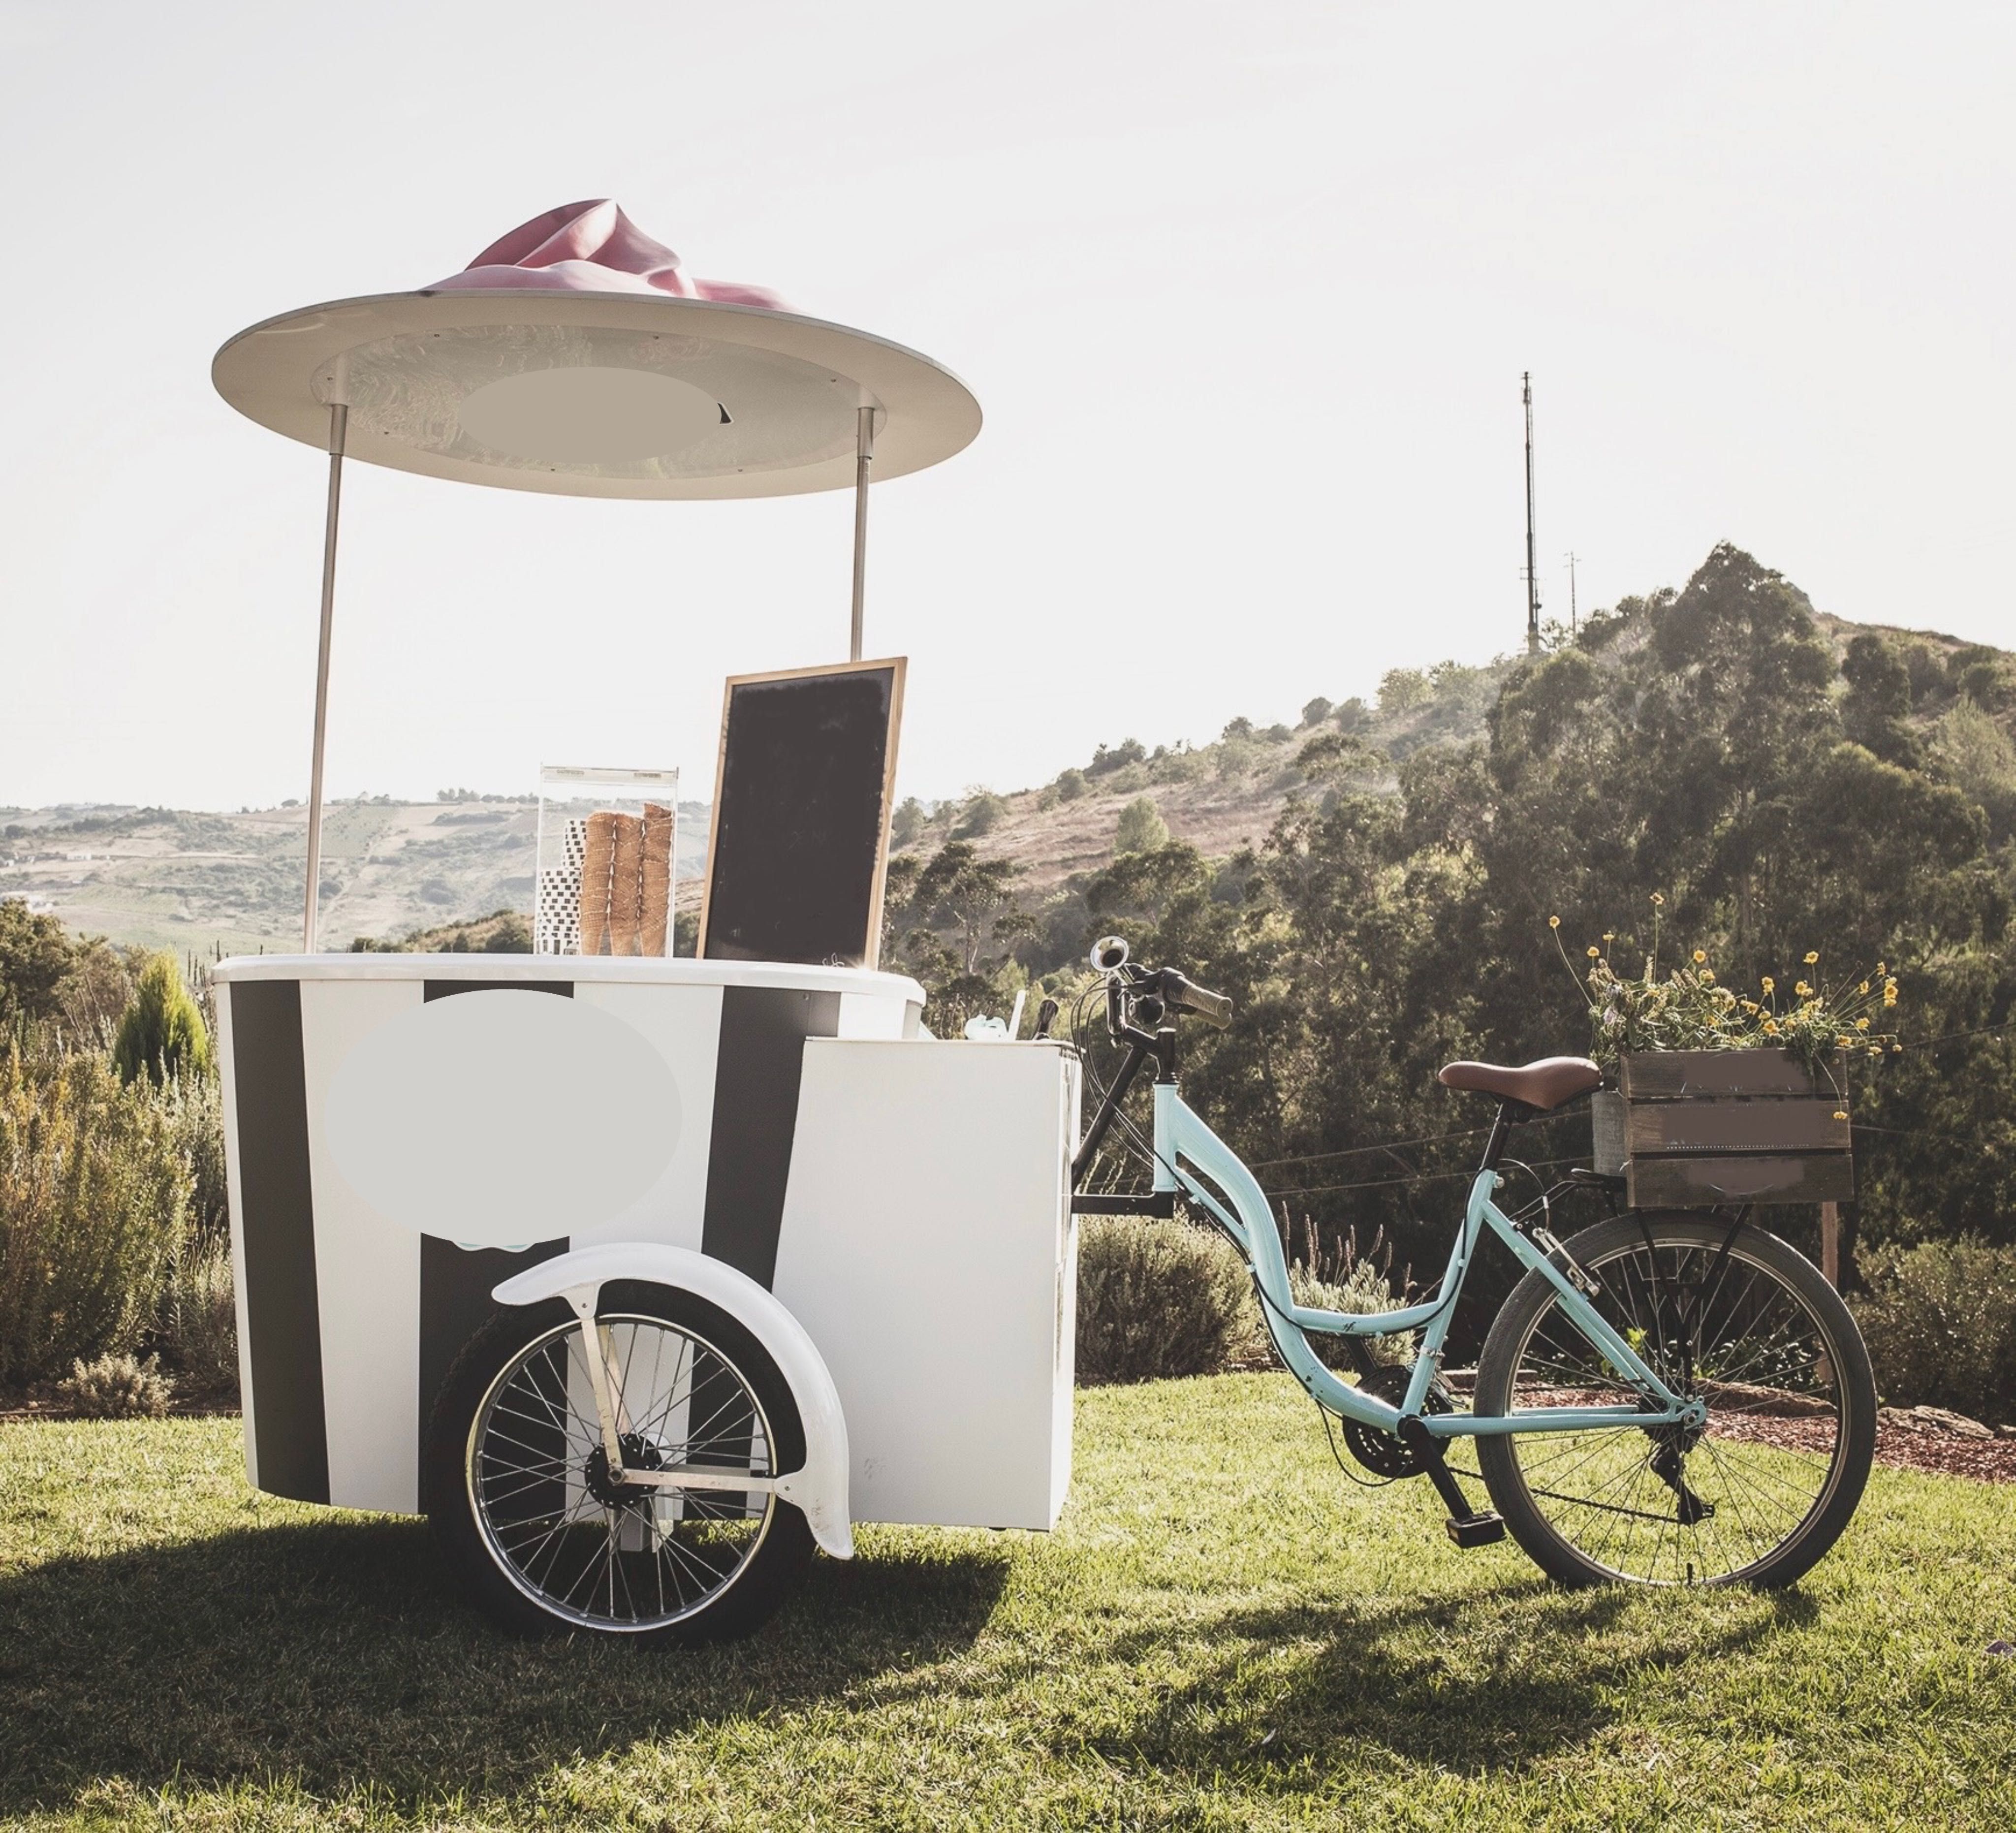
[580, 1548]
[1664, 1506]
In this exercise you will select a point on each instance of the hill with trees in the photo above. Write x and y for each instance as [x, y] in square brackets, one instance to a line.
[1375, 888]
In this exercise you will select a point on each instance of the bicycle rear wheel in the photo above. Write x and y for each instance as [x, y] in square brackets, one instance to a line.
[1733, 1316]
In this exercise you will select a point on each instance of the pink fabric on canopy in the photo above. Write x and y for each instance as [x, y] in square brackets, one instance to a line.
[591, 247]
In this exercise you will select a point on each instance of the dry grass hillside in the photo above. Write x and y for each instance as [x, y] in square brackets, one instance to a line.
[203, 882]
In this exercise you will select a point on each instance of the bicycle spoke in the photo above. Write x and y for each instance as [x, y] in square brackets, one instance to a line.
[538, 1447]
[1710, 1320]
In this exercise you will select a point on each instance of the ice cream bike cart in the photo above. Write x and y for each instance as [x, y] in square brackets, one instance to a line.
[641, 1276]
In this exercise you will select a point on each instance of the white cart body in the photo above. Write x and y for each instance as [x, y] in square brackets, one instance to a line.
[396, 1152]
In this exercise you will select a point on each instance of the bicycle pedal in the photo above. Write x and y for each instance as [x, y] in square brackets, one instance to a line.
[1475, 1530]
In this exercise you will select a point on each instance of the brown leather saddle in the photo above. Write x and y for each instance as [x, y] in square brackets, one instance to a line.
[1539, 1085]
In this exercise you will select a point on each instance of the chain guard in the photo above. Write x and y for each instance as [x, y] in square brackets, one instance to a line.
[1380, 1453]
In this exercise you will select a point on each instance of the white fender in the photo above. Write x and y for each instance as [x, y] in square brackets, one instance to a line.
[819, 1487]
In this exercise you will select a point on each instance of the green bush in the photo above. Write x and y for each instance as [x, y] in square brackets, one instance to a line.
[1940, 1319]
[1363, 1288]
[1158, 1298]
[162, 1033]
[94, 1199]
[198, 1321]
[193, 1107]
[118, 1387]
[1142, 829]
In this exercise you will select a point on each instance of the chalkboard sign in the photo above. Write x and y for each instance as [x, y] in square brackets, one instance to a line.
[800, 831]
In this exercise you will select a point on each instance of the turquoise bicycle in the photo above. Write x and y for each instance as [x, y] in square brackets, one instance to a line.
[1669, 1398]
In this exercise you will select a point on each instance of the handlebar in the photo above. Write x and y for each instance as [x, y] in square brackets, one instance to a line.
[1128, 981]
[1214, 1009]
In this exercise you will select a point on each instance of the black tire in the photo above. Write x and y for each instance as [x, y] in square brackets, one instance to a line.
[1758, 1334]
[516, 1517]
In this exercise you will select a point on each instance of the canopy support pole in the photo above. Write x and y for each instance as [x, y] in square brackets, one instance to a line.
[339, 418]
[864, 457]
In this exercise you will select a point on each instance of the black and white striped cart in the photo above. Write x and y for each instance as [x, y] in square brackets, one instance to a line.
[642, 1277]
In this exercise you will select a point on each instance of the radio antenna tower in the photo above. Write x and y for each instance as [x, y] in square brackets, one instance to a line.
[1574, 620]
[1533, 575]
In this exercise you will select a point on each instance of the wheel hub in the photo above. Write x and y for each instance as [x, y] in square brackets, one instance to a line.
[639, 1453]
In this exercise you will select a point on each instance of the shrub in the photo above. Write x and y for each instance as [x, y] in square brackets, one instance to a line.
[1158, 1298]
[1142, 829]
[94, 1201]
[198, 1328]
[1315, 711]
[1941, 1322]
[162, 1033]
[118, 1387]
[1071, 785]
[193, 1107]
[1364, 1289]
[981, 815]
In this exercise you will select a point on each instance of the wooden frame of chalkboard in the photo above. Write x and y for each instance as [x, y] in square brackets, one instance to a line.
[819, 901]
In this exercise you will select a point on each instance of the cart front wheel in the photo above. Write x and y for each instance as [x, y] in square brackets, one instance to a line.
[520, 1490]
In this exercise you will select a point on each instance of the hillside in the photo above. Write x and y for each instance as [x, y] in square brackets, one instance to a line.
[176, 878]
[201, 881]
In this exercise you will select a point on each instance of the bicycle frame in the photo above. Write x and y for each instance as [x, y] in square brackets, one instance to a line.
[1188, 1153]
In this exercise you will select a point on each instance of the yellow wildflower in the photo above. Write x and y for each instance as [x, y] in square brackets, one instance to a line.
[1750, 1006]
[1813, 955]
[1593, 951]
[1840, 1114]
[1658, 897]
[1770, 985]
[1862, 1024]
[1610, 935]
[1701, 955]
[1880, 968]
[1801, 989]
[1553, 922]
[1863, 988]
[1707, 977]
[1770, 1028]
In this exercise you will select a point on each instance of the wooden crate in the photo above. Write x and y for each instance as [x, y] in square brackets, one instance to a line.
[1709, 1127]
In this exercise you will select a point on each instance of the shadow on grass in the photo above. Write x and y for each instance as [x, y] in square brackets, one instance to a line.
[1487, 1681]
[338, 1652]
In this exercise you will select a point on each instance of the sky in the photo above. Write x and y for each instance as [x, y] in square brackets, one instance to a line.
[1245, 292]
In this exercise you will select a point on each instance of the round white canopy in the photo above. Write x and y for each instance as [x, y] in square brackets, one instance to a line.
[610, 394]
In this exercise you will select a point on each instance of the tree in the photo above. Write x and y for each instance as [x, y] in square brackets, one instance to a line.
[1315, 711]
[1142, 829]
[162, 1035]
[35, 954]
[980, 815]
[908, 822]
[972, 893]
[1878, 700]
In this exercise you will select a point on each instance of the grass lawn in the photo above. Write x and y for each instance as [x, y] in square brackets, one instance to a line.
[1224, 1633]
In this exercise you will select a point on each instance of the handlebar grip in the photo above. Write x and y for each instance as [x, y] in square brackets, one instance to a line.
[1214, 1009]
